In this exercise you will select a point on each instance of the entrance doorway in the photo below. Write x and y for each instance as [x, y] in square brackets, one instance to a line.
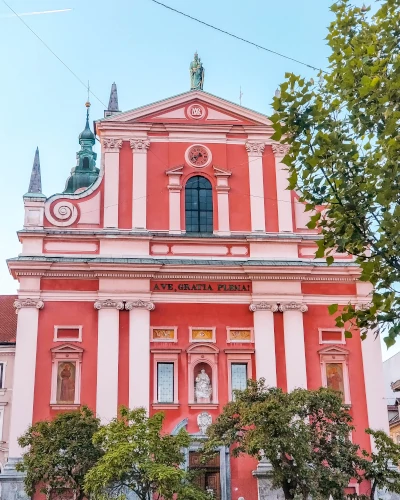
[208, 476]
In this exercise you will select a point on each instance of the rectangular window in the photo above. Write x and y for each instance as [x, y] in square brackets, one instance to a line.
[239, 376]
[2, 367]
[165, 382]
[69, 333]
[331, 336]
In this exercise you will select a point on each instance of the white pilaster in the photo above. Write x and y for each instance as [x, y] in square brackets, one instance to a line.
[139, 353]
[223, 200]
[284, 197]
[139, 191]
[175, 188]
[24, 371]
[111, 148]
[374, 383]
[107, 358]
[256, 177]
[296, 372]
[264, 339]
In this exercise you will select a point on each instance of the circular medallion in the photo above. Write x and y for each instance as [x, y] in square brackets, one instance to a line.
[198, 156]
[196, 111]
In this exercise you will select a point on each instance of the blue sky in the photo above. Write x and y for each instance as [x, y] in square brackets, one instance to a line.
[146, 50]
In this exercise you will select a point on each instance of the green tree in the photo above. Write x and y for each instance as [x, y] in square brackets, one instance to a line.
[344, 137]
[140, 458]
[60, 453]
[303, 434]
[381, 466]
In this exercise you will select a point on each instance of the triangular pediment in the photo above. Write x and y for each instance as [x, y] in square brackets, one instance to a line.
[334, 350]
[67, 348]
[194, 107]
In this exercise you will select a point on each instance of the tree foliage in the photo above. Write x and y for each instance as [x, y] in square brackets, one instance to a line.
[140, 458]
[380, 466]
[305, 435]
[345, 145]
[60, 453]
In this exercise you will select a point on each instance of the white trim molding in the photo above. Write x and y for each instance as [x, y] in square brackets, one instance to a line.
[66, 353]
[340, 356]
[163, 335]
[67, 339]
[201, 329]
[337, 330]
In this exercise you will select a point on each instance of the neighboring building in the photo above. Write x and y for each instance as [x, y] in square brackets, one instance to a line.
[391, 373]
[174, 267]
[8, 329]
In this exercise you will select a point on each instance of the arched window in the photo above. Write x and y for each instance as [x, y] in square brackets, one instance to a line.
[198, 205]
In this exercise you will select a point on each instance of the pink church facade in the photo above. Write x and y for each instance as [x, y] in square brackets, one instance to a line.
[186, 257]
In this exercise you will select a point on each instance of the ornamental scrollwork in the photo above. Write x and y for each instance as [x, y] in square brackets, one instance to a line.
[139, 304]
[110, 144]
[263, 306]
[293, 306]
[61, 214]
[139, 145]
[20, 303]
[280, 149]
[255, 148]
[109, 304]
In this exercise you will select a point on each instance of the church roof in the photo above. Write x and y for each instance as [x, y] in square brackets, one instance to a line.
[8, 319]
[186, 97]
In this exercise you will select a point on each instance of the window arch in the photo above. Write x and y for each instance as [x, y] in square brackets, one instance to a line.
[198, 205]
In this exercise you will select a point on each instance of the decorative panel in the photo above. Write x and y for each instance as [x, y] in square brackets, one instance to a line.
[163, 334]
[240, 335]
[202, 334]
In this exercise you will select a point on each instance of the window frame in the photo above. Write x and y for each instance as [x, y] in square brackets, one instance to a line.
[67, 327]
[243, 357]
[166, 363]
[209, 228]
[64, 354]
[3, 375]
[336, 355]
[339, 342]
[2, 413]
[163, 356]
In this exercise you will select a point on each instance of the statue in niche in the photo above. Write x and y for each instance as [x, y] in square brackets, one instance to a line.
[203, 389]
[66, 383]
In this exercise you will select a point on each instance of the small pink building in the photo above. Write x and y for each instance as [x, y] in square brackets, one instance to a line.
[8, 329]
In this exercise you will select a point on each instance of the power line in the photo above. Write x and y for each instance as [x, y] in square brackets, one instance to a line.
[233, 35]
[52, 51]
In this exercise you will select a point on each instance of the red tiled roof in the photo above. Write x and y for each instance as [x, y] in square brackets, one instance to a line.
[8, 319]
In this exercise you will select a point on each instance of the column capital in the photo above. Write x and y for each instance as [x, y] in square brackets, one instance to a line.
[363, 306]
[139, 304]
[139, 145]
[280, 150]
[263, 306]
[109, 304]
[111, 145]
[255, 148]
[20, 303]
[293, 306]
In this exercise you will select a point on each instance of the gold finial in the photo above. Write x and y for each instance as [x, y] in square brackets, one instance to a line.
[87, 103]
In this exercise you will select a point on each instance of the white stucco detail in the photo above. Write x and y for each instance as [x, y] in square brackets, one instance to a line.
[139, 358]
[111, 188]
[374, 383]
[199, 250]
[24, 376]
[107, 364]
[284, 196]
[296, 373]
[139, 191]
[32, 246]
[70, 247]
[270, 250]
[126, 248]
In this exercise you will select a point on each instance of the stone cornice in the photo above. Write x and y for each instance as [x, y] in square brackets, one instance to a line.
[139, 304]
[22, 303]
[263, 306]
[109, 304]
[293, 306]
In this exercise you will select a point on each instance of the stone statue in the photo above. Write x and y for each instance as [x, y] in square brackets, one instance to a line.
[196, 73]
[203, 389]
[204, 420]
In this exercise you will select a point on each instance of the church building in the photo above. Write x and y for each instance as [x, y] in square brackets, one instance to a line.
[174, 266]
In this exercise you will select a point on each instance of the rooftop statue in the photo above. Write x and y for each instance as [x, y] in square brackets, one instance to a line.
[196, 73]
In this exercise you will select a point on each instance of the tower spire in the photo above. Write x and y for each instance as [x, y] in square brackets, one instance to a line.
[35, 184]
[113, 102]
